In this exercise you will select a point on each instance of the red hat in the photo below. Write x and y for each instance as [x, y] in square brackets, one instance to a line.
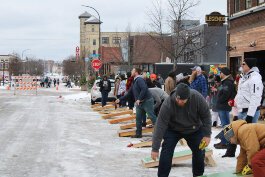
[153, 76]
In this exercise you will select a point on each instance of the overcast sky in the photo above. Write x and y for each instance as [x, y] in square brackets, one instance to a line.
[50, 28]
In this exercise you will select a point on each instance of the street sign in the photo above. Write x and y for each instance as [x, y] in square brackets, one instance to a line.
[96, 64]
[94, 55]
[215, 19]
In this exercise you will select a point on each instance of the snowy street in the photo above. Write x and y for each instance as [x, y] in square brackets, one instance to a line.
[46, 135]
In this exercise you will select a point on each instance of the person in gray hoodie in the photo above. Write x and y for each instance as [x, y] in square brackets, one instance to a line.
[184, 114]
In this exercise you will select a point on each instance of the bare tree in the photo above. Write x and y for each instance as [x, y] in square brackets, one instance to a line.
[71, 67]
[185, 42]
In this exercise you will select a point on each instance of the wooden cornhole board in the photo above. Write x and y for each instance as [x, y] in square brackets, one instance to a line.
[131, 132]
[111, 110]
[149, 143]
[226, 174]
[99, 104]
[148, 162]
[133, 125]
[122, 119]
[103, 108]
[108, 116]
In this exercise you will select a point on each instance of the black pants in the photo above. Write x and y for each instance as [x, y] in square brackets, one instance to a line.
[171, 139]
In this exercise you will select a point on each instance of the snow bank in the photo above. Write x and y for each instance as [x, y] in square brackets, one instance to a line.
[77, 96]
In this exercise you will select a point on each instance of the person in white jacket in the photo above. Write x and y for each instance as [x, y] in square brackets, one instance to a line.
[250, 91]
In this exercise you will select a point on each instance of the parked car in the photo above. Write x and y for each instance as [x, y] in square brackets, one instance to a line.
[96, 94]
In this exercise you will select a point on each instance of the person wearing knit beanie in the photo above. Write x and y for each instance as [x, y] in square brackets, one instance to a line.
[251, 62]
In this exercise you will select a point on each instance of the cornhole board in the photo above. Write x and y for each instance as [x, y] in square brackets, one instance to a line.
[131, 132]
[123, 119]
[148, 162]
[148, 143]
[133, 125]
[103, 108]
[226, 174]
[108, 116]
[111, 110]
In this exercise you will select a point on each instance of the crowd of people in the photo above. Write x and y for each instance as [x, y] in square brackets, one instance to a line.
[189, 105]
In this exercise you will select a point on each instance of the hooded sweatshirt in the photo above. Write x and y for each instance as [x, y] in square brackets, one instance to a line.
[251, 138]
[193, 116]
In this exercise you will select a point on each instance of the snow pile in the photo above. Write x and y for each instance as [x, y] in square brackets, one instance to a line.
[77, 96]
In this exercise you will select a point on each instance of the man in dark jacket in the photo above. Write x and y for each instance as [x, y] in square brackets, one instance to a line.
[105, 88]
[184, 114]
[144, 101]
[226, 92]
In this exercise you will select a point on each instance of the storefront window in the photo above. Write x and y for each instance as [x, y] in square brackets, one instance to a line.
[261, 1]
[237, 6]
[248, 4]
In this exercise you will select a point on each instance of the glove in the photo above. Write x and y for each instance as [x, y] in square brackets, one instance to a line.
[203, 145]
[247, 170]
[249, 119]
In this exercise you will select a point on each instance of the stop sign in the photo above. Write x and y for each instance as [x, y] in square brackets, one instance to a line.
[96, 64]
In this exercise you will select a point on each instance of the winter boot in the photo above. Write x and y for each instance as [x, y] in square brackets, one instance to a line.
[230, 151]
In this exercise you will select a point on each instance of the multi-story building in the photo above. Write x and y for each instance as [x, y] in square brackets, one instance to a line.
[246, 33]
[201, 45]
[4, 66]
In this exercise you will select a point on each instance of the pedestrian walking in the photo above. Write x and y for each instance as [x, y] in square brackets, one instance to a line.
[105, 88]
[144, 102]
[250, 89]
[251, 138]
[184, 114]
[54, 82]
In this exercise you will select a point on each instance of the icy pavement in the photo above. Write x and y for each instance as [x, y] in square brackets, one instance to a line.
[48, 136]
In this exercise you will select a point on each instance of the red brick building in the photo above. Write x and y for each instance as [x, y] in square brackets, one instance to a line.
[246, 32]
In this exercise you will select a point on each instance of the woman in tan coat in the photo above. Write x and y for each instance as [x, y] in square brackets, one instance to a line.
[251, 138]
[170, 82]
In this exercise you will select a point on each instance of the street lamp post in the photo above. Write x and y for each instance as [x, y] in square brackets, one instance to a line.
[99, 42]
[23, 60]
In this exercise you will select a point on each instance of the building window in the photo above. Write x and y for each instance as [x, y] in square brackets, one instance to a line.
[248, 4]
[105, 40]
[93, 28]
[116, 40]
[94, 42]
[94, 52]
[237, 6]
[261, 1]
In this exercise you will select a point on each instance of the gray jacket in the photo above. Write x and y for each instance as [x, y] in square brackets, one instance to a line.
[193, 116]
[158, 95]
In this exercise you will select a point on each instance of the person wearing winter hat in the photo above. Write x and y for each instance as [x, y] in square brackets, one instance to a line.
[250, 89]
[200, 82]
[251, 138]
[154, 82]
[226, 92]
[184, 114]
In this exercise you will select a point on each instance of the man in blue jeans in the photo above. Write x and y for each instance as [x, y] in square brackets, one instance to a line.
[184, 114]
[226, 92]
[104, 88]
[144, 101]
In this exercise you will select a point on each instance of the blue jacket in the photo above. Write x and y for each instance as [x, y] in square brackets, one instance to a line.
[200, 85]
[139, 90]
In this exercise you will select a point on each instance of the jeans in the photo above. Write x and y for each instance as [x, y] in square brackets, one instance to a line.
[145, 107]
[171, 139]
[122, 102]
[130, 102]
[225, 120]
[243, 115]
[104, 97]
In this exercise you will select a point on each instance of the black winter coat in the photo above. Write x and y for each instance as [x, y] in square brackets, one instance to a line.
[225, 93]
[102, 87]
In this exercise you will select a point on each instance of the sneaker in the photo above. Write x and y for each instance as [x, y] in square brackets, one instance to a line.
[220, 146]
[136, 136]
